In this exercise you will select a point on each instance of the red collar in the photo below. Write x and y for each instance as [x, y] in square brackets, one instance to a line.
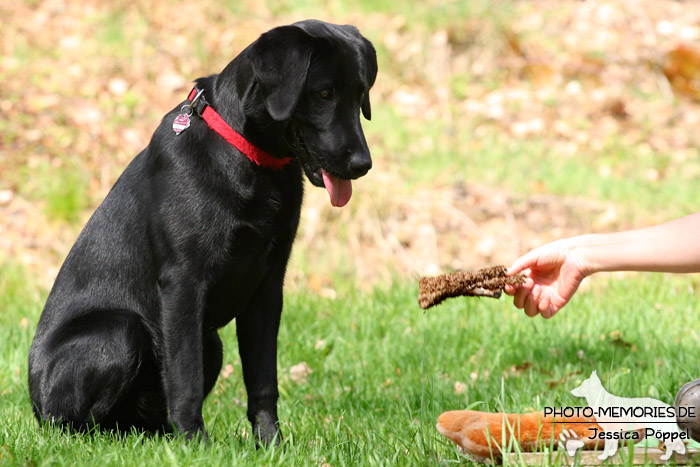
[198, 104]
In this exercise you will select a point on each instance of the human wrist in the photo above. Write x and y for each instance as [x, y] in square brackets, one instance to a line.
[606, 252]
[583, 250]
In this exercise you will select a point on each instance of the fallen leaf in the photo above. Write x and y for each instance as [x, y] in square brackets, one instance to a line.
[300, 372]
[227, 371]
[682, 70]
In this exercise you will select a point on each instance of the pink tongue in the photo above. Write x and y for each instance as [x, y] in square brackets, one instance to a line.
[339, 190]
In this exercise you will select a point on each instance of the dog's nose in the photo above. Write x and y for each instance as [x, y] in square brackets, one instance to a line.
[359, 164]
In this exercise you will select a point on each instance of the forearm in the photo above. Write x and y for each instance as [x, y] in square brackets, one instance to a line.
[670, 247]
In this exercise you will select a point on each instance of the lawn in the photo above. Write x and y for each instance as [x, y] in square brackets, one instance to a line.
[497, 126]
[377, 372]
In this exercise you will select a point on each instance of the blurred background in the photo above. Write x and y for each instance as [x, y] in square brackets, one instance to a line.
[496, 126]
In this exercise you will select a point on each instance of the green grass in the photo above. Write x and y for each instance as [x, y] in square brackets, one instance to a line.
[383, 370]
[63, 190]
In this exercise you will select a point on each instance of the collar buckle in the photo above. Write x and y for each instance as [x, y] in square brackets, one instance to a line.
[197, 101]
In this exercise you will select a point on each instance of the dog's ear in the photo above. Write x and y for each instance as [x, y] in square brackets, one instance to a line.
[371, 69]
[280, 59]
[366, 107]
[369, 65]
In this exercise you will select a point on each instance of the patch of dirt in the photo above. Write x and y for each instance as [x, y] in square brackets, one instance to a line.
[29, 238]
[433, 230]
[424, 233]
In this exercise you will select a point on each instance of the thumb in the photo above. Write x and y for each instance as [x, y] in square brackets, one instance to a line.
[524, 262]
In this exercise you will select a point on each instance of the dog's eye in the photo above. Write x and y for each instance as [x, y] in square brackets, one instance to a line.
[325, 94]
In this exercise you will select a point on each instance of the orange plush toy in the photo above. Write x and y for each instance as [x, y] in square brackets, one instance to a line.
[484, 435]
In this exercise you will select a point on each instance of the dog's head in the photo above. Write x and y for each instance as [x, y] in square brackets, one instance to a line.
[316, 77]
[589, 388]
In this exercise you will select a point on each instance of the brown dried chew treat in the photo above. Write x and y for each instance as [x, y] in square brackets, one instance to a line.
[487, 282]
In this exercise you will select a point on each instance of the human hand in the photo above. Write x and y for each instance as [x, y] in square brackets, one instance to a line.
[555, 273]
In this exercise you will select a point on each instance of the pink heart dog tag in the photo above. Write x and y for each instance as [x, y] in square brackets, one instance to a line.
[181, 123]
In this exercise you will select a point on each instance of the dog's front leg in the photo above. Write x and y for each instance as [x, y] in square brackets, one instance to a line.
[183, 377]
[257, 343]
[609, 449]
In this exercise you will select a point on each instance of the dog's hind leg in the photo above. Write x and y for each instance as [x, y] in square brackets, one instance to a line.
[672, 446]
[79, 372]
[144, 406]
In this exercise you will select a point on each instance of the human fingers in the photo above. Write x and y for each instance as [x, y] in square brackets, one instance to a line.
[519, 265]
[510, 289]
[524, 262]
[545, 308]
[536, 292]
[530, 306]
[520, 296]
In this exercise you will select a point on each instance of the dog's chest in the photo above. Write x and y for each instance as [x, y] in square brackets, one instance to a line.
[256, 258]
[229, 297]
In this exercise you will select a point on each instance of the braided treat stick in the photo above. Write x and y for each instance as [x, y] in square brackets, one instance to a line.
[487, 282]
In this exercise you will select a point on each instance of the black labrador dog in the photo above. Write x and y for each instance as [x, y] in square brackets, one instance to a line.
[197, 231]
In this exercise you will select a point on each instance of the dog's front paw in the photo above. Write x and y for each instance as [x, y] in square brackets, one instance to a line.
[570, 441]
[199, 436]
[190, 431]
[266, 431]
